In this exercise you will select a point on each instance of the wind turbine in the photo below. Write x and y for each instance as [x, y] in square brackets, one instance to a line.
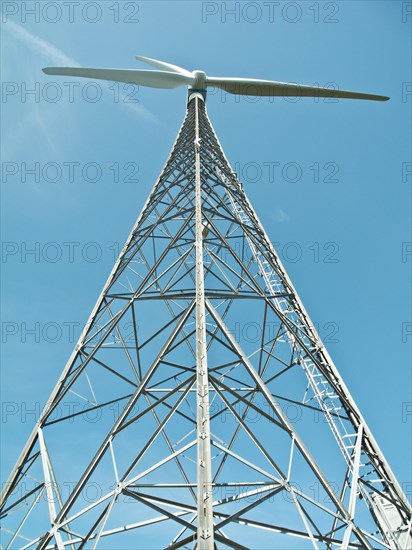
[172, 76]
[184, 443]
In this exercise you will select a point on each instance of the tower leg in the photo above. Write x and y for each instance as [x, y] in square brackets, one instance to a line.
[205, 535]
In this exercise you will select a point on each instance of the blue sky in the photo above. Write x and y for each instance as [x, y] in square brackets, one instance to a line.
[331, 182]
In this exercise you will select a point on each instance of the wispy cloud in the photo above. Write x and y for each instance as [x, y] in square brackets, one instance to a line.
[56, 56]
[39, 45]
[281, 215]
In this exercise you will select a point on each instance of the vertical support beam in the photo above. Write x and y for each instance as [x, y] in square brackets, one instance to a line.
[354, 486]
[49, 488]
[205, 534]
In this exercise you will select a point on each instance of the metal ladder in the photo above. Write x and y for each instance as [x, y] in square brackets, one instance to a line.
[323, 392]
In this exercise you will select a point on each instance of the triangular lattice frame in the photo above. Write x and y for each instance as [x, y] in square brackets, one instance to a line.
[183, 431]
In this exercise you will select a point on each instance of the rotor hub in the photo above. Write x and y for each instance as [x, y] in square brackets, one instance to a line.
[200, 83]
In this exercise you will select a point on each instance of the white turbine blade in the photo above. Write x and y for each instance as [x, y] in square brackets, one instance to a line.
[252, 87]
[162, 65]
[152, 79]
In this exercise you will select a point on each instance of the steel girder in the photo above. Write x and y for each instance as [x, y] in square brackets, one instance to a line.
[167, 428]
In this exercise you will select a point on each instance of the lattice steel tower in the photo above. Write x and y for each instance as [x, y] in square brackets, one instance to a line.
[165, 431]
